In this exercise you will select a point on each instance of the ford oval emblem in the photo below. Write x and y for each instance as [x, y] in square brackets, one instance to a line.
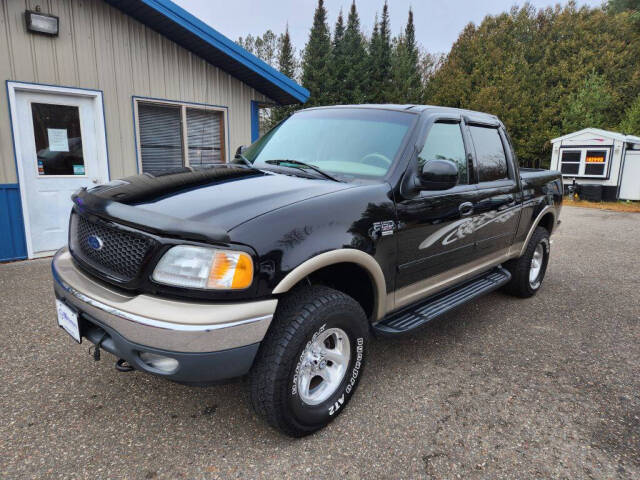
[95, 242]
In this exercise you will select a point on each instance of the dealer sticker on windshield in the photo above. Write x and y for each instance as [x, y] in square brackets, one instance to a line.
[68, 319]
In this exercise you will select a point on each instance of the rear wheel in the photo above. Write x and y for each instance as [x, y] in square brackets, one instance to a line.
[311, 360]
[527, 272]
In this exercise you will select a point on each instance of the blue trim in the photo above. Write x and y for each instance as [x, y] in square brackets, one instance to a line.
[255, 120]
[143, 10]
[13, 244]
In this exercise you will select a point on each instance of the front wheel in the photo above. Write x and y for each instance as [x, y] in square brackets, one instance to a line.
[527, 272]
[311, 360]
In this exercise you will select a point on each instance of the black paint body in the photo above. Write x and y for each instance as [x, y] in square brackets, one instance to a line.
[283, 220]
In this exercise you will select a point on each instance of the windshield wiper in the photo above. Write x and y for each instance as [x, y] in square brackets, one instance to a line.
[303, 165]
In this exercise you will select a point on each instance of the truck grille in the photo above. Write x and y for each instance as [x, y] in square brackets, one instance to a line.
[117, 253]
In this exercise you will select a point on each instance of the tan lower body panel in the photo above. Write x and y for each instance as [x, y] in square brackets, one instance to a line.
[432, 285]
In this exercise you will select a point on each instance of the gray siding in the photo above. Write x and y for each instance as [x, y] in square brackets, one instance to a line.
[101, 48]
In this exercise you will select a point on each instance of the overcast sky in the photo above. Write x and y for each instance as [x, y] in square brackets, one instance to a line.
[438, 22]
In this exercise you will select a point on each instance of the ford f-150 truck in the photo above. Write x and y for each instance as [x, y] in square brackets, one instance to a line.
[338, 224]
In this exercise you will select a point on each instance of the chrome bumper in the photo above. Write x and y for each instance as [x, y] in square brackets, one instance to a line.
[180, 326]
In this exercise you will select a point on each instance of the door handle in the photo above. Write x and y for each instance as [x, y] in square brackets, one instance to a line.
[465, 208]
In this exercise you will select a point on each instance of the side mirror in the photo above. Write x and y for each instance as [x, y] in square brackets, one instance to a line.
[241, 149]
[438, 175]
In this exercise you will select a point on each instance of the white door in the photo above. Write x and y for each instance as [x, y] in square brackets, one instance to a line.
[59, 140]
[630, 184]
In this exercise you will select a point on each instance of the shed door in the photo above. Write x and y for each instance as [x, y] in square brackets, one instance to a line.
[630, 184]
[57, 153]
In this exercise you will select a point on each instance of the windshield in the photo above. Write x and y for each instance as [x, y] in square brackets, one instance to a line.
[349, 143]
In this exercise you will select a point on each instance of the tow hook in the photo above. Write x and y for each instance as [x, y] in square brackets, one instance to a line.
[123, 366]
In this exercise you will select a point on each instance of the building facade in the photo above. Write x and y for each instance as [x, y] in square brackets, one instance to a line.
[122, 87]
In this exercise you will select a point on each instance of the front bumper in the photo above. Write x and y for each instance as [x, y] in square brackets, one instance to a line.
[211, 342]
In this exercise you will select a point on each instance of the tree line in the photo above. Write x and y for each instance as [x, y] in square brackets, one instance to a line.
[544, 72]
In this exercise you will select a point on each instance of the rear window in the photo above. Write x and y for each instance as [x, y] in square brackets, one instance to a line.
[491, 159]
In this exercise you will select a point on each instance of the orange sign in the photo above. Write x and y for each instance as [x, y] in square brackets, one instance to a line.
[595, 158]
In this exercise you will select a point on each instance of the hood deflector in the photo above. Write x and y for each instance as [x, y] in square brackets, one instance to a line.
[114, 202]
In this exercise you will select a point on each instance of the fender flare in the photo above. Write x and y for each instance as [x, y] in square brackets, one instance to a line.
[343, 255]
[548, 209]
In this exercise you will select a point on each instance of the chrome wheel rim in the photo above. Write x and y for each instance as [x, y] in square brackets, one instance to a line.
[536, 265]
[324, 364]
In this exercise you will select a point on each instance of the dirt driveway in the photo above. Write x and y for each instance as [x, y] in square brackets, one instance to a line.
[503, 388]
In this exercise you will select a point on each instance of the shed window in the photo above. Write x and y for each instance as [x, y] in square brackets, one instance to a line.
[584, 162]
[595, 162]
[570, 163]
[173, 136]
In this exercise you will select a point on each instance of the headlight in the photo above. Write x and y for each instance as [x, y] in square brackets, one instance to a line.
[200, 267]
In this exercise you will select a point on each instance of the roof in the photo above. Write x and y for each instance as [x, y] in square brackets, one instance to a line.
[175, 23]
[599, 132]
[414, 108]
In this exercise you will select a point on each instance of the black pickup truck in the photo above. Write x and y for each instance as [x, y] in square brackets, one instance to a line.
[338, 224]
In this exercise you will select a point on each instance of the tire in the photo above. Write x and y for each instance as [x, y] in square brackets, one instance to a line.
[522, 269]
[335, 323]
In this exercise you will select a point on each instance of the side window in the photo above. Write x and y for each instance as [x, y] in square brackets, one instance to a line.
[445, 143]
[491, 159]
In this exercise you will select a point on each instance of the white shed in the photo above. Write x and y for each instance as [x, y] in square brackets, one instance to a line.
[599, 159]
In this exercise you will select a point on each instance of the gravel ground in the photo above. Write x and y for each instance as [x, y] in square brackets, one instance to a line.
[547, 387]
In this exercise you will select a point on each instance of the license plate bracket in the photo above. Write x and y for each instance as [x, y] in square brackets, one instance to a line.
[68, 320]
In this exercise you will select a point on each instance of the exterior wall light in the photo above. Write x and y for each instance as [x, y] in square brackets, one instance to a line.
[41, 23]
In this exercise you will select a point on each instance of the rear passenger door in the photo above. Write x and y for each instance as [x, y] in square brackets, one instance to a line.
[497, 206]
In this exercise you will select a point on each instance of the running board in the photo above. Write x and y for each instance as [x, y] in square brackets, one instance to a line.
[417, 315]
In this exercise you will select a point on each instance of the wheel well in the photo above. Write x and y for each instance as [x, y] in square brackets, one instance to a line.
[348, 278]
[547, 221]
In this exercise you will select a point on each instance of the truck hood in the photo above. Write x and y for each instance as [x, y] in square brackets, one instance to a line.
[221, 197]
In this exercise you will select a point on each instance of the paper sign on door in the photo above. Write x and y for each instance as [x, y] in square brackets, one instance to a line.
[58, 140]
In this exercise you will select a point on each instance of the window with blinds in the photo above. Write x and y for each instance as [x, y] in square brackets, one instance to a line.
[166, 145]
[204, 137]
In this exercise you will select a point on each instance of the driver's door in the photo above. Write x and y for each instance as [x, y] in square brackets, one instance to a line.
[435, 237]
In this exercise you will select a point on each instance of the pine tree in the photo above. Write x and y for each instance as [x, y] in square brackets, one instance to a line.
[337, 64]
[355, 83]
[631, 122]
[286, 56]
[286, 66]
[405, 68]
[590, 106]
[315, 61]
[380, 59]
[617, 6]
